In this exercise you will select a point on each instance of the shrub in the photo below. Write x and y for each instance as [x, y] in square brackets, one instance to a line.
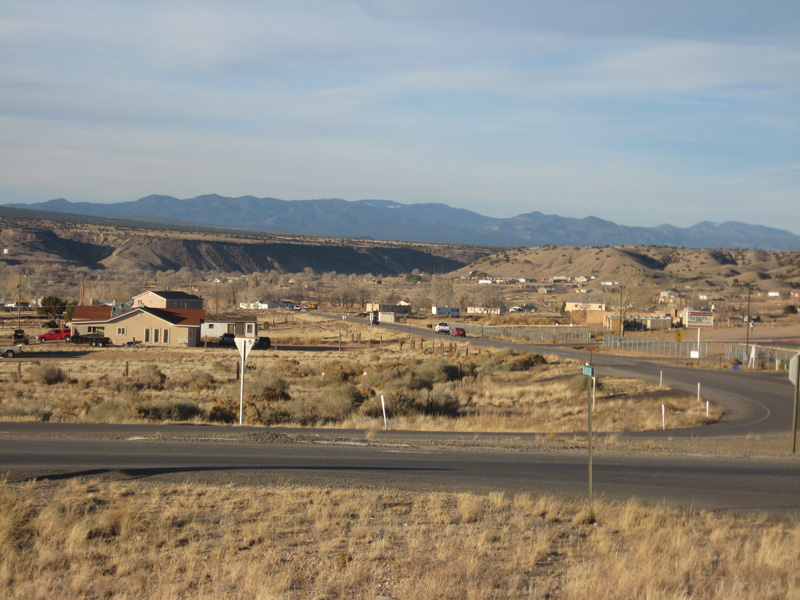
[148, 376]
[441, 404]
[222, 414]
[337, 401]
[526, 361]
[46, 374]
[267, 387]
[201, 380]
[168, 411]
[437, 372]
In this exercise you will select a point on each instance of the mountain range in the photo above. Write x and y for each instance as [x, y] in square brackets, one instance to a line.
[430, 223]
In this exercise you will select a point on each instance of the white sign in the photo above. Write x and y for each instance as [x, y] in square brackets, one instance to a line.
[794, 363]
[244, 345]
[699, 318]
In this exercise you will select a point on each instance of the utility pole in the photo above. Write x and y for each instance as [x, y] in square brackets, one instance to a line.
[19, 301]
[747, 326]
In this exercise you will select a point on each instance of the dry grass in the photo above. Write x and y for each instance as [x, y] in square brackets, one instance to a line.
[427, 390]
[93, 540]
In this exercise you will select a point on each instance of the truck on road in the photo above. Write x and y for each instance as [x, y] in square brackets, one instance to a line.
[10, 351]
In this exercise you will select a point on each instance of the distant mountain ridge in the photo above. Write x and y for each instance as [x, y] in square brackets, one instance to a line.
[429, 223]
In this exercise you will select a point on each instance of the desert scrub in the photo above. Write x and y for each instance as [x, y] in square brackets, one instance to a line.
[46, 373]
[129, 540]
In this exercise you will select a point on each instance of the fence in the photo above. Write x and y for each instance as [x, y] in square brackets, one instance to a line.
[528, 333]
[770, 357]
[662, 347]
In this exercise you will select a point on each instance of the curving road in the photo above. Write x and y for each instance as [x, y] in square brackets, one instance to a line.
[758, 404]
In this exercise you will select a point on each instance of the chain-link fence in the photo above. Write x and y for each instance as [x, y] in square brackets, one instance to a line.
[660, 347]
[764, 356]
[528, 333]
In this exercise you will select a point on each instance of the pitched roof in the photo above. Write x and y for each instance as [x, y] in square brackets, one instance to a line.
[178, 316]
[185, 317]
[91, 313]
[168, 295]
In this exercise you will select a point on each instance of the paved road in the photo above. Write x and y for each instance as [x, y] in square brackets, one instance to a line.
[759, 404]
[225, 455]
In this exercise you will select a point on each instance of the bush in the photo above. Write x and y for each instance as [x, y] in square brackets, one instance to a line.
[168, 411]
[442, 404]
[337, 401]
[267, 387]
[148, 376]
[438, 372]
[46, 374]
[526, 361]
[222, 414]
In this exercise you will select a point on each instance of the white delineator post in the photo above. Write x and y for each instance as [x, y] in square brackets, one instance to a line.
[385, 421]
[244, 345]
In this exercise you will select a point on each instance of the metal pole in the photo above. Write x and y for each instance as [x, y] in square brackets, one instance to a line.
[747, 326]
[241, 394]
[590, 388]
[794, 419]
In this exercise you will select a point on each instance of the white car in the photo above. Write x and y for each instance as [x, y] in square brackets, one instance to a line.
[442, 328]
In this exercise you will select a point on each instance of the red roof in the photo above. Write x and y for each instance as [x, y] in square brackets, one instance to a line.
[91, 313]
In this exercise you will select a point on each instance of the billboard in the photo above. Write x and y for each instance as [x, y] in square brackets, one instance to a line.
[698, 318]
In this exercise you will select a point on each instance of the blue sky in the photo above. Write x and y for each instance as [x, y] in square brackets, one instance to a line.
[638, 112]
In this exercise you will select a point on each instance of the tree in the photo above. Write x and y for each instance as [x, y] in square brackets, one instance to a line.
[52, 307]
[631, 294]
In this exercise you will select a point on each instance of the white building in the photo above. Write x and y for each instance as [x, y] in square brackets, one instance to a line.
[448, 311]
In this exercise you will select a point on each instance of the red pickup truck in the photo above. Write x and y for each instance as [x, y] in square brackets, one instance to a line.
[54, 334]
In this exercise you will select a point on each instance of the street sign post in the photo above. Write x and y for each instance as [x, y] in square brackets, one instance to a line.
[588, 371]
[244, 345]
[794, 377]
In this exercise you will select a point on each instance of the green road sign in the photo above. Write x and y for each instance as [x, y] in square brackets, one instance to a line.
[588, 370]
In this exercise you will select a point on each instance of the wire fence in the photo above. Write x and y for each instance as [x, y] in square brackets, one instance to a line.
[661, 347]
[528, 333]
[764, 356]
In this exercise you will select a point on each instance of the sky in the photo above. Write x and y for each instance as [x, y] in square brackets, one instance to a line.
[638, 112]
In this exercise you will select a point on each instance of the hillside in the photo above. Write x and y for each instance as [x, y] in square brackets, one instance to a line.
[762, 269]
[426, 223]
[103, 246]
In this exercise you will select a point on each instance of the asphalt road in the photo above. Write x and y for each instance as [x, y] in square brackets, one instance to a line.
[758, 404]
[220, 455]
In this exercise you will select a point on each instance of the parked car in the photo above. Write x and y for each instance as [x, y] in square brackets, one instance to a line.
[227, 339]
[54, 335]
[458, 331]
[442, 328]
[49, 325]
[10, 351]
[262, 343]
[19, 337]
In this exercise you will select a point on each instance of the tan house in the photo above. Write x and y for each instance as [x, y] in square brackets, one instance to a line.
[173, 328]
[167, 299]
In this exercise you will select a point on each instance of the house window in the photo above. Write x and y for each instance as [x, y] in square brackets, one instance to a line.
[156, 335]
[100, 330]
[166, 336]
[147, 336]
[249, 328]
[121, 331]
[211, 326]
